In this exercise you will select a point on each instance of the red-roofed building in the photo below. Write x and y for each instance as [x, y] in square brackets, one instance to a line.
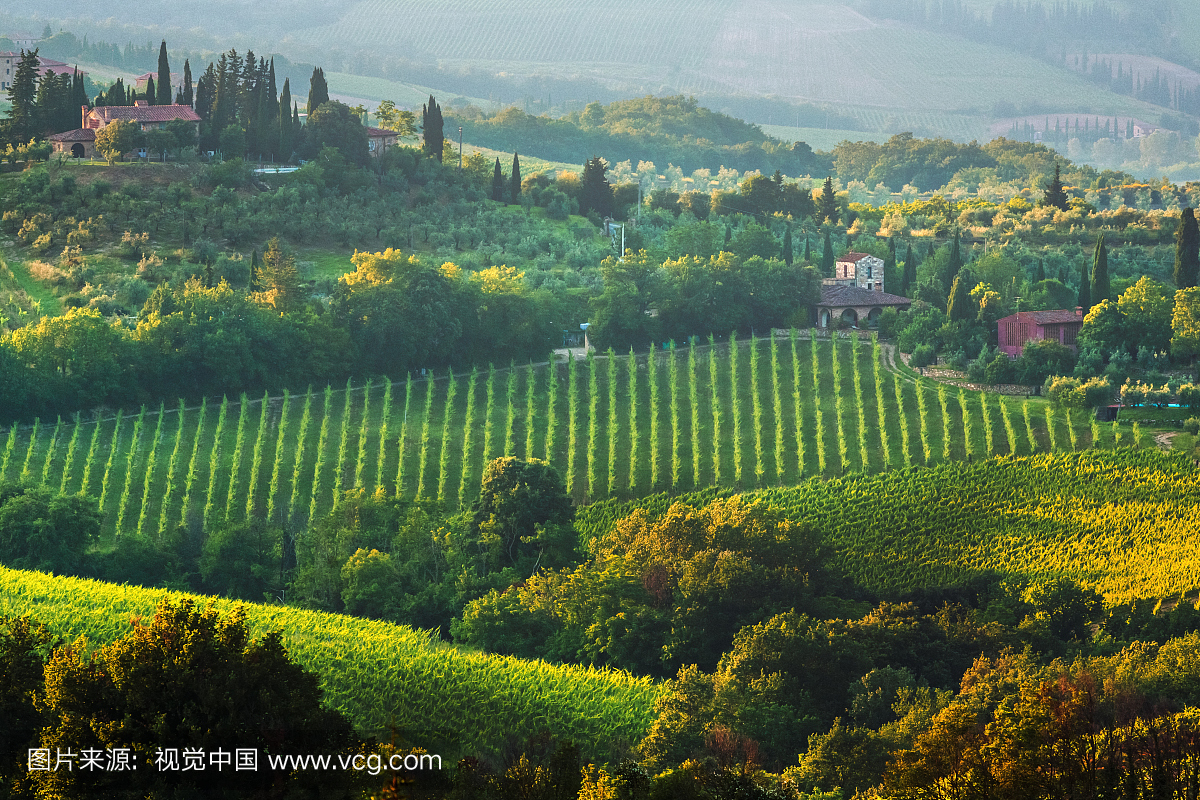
[379, 140]
[10, 60]
[147, 116]
[75, 144]
[1061, 326]
[855, 306]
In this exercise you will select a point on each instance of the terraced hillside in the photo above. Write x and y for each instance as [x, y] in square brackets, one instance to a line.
[766, 413]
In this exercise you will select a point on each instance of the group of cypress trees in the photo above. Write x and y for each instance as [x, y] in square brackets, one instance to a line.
[239, 104]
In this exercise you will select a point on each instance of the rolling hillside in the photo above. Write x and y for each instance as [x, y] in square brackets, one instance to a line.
[612, 427]
[451, 701]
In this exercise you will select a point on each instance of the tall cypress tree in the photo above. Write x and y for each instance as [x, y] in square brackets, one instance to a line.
[827, 206]
[497, 183]
[431, 125]
[1085, 292]
[910, 271]
[956, 259]
[890, 279]
[1040, 275]
[827, 259]
[318, 90]
[164, 96]
[187, 83]
[287, 143]
[1100, 286]
[595, 194]
[807, 250]
[959, 306]
[1187, 251]
[151, 91]
[787, 245]
[514, 181]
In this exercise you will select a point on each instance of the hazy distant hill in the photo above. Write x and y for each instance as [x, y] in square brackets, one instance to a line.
[850, 55]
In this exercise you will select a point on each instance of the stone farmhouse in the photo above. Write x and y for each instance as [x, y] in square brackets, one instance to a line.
[1016, 330]
[379, 140]
[81, 143]
[855, 294]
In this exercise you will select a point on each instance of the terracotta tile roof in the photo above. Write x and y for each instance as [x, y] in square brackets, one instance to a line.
[853, 257]
[80, 135]
[376, 132]
[842, 296]
[146, 113]
[1057, 316]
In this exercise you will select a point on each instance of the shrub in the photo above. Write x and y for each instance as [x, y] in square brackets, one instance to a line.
[922, 356]
[1192, 425]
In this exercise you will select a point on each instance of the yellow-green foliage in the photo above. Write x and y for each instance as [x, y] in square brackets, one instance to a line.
[1125, 522]
[381, 675]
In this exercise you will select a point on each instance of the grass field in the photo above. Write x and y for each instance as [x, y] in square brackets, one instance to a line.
[449, 700]
[682, 421]
[1125, 522]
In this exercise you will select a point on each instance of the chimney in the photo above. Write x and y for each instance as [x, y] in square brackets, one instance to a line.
[1079, 311]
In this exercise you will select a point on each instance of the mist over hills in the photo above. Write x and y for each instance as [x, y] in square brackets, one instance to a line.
[960, 68]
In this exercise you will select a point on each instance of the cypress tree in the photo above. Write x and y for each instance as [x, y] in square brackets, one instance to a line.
[595, 194]
[318, 90]
[1187, 251]
[164, 77]
[151, 92]
[1040, 275]
[827, 206]
[286, 143]
[1085, 292]
[787, 246]
[431, 125]
[1100, 285]
[956, 259]
[910, 271]
[514, 181]
[889, 266]
[807, 250]
[498, 183]
[959, 306]
[827, 259]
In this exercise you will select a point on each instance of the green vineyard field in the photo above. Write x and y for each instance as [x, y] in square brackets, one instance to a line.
[781, 411]
[382, 676]
[1125, 522]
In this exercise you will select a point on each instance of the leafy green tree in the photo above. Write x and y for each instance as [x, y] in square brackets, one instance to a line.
[522, 514]
[44, 531]
[233, 141]
[1185, 324]
[1100, 286]
[278, 279]
[595, 194]
[335, 125]
[1147, 307]
[371, 585]
[432, 128]
[242, 560]
[956, 260]
[117, 138]
[1187, 251]
[163, 95]
[754, 240]
[186, 679]
[318, 90]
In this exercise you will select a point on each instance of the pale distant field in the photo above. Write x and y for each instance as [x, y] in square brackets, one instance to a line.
[820, 138]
